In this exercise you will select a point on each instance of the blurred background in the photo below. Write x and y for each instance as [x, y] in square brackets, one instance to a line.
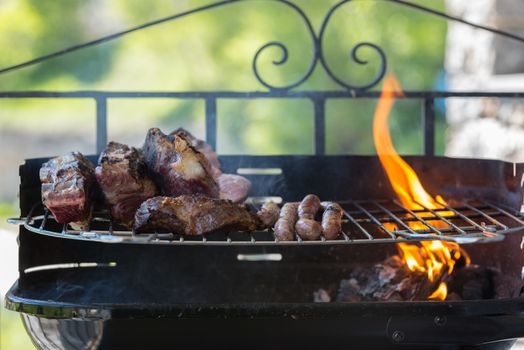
[214, 50]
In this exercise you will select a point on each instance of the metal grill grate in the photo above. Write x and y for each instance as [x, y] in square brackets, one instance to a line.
[369, 221]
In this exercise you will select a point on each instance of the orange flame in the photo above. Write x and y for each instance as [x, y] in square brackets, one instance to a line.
[440, 293]
[434, 258]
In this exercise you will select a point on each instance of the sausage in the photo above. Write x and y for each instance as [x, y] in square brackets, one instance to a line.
[331, 220]
[309, 206]
[285, 226]
[307, 228]
[269, 214]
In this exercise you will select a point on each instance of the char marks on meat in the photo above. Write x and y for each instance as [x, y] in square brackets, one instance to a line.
[233, 187]
[193, 215]
[67, 187]
[176, 166]
[123, 177]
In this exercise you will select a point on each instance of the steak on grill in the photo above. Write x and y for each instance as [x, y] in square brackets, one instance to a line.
[193, 215]
[176, 166]
[232, 187]
[123, 177]
[67, 187]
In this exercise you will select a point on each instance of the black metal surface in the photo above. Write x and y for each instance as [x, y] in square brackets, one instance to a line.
[361, 332]
[218, 268]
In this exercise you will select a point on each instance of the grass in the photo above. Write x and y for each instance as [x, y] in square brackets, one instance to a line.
[12, 332]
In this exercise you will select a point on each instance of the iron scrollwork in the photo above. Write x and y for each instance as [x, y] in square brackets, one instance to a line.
[318, 54]
[317, 39]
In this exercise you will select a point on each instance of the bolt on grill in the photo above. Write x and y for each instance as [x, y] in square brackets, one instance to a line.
[366, 221]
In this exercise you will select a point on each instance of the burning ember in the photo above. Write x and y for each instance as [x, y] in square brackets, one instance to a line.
[436, 258]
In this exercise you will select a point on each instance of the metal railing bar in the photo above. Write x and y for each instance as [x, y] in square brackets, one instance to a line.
[111, 37]
[319, 125]
[309, 94]
[428, 126]
[211, 122]
[101, 124]
[437, 13]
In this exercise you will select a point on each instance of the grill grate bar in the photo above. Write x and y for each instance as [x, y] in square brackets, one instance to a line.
[464, 217]
[442, 218]
[493, 220]
[507, 213]
[357, 224]
[373, 219]
[44, 220]
[395, 218]
[431, 227]
[363, 222]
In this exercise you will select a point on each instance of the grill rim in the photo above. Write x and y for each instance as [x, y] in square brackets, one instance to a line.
[107, 311]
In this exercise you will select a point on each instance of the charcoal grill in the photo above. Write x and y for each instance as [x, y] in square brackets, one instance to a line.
[107, 288]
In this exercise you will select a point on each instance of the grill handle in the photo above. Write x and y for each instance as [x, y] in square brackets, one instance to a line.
[16, 221]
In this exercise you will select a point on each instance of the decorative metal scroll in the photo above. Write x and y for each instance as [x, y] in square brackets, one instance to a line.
[317, 42]
[318, 54]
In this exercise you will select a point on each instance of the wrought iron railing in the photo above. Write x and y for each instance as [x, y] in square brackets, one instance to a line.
[288, 91]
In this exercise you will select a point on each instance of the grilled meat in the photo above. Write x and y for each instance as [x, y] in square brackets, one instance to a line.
[307, 228]
[269, 213]
[204, 148]
[67, 187]
[176, 166]
[331, 220]
[193, 215]
[232, 187]
[285, 226]
[122, 176]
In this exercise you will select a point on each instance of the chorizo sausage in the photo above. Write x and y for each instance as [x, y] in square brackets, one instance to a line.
[331, 220]
[307, 228]
[285, 226]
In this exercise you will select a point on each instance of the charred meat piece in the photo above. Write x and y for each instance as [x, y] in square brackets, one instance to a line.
[176, 166]
[203, 147]
[269, 213]
[193, 215]
[285, 226]
[331, 220]
[67, 187]
[307, 228]
[232, 187]
[122, 176]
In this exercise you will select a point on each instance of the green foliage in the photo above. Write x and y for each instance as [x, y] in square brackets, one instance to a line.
[12, 332]
[214, 51]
